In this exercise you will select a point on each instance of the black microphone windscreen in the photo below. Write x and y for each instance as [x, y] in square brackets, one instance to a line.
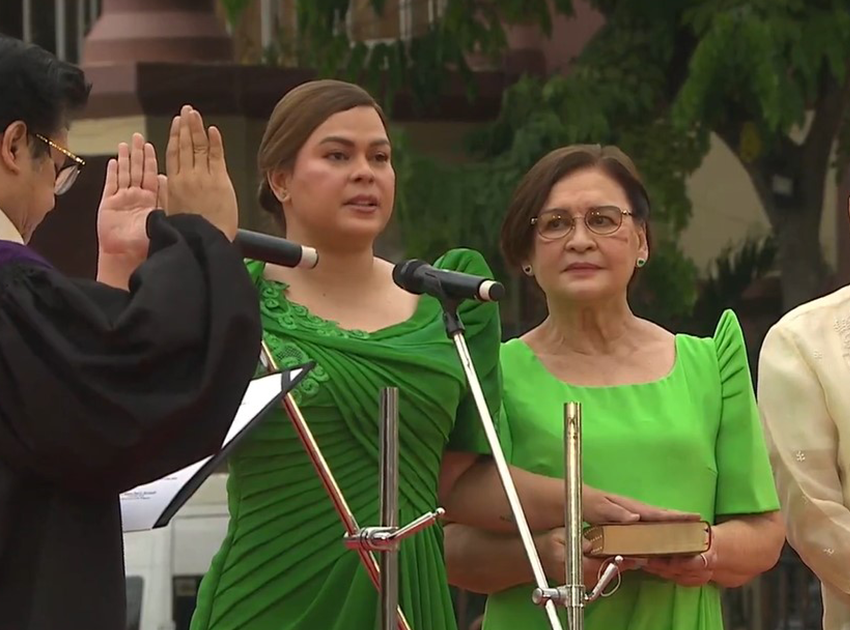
[403, 274]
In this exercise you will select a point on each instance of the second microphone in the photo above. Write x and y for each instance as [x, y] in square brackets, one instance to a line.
[276, 250]
[417, 276]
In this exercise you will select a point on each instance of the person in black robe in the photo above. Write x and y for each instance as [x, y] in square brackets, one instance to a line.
[105, 388]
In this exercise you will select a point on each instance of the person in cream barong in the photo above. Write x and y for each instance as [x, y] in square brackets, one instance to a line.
[804, 373]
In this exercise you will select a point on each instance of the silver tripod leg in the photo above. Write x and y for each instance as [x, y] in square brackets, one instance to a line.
[389, 505]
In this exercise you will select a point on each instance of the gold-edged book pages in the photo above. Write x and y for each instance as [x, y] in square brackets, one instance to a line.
[649, 539]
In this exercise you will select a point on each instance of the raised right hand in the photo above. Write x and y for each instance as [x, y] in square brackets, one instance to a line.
[198, 182]
[131, 191]
[606, 507]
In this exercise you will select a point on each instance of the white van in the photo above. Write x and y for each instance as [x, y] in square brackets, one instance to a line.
[164, 566]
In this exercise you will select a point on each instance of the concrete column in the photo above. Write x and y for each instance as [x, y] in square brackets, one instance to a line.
[138, 31]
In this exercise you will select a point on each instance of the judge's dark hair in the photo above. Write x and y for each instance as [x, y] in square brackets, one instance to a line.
[533, 190]
[294, 119]
[38, 89]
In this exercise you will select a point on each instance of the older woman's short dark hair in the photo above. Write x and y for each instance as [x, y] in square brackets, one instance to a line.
[534, 188]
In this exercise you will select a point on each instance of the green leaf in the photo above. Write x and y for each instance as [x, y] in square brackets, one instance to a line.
[233, 10]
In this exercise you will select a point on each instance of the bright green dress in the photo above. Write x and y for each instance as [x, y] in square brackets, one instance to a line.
[283, 565]
[690, 441]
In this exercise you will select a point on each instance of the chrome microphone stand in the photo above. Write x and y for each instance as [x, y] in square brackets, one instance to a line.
[384, 538]
[573, 595]
[454, 329]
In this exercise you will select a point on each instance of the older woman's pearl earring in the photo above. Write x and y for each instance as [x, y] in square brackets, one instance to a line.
[527, 270]
[641, 262]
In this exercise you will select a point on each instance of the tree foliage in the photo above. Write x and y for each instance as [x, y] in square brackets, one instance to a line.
[417, 66]
[614, 95]
[768, 77]
[731, 273]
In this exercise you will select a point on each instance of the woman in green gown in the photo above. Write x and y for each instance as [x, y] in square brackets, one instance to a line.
[326, 162]
[668, 419]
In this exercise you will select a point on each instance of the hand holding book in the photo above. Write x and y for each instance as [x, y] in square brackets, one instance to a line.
[551, 546]
[678, 551]
[685, 570]
[667, 543]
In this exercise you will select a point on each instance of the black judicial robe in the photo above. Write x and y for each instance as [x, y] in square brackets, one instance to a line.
[101, 390]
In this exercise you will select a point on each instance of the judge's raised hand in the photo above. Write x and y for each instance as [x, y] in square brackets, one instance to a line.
[606, 507]
[198, 182]
[133, 188]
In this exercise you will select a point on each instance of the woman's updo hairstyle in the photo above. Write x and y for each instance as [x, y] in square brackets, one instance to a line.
[294, 119]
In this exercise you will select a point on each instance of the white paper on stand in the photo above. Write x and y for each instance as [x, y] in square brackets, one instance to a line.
[151, 505]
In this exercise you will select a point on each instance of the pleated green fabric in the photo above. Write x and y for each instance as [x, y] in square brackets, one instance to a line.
[283, 565]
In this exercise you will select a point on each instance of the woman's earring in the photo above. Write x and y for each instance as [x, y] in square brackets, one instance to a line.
[527, 270]
[641, 262]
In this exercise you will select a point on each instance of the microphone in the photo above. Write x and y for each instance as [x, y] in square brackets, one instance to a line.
[275, 250]
[417, 276]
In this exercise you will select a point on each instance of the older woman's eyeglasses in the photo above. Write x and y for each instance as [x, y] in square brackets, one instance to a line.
[601, 220]
[66, 174]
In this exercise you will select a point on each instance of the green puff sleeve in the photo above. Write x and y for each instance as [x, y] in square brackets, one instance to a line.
[745, 480]
[483, 336]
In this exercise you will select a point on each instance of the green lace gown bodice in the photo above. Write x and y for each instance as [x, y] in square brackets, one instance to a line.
[283, 565]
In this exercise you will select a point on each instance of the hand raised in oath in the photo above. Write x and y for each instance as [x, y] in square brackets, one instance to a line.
[133, 188]
[198, 182]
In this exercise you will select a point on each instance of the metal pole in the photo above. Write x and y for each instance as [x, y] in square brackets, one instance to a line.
[81, 27]
[61, 27]
[267, 23]
[505, 475]
[573, 516]
[328, 481]
[405, 19]
[27, 20]
[573, 596]
[389, 505]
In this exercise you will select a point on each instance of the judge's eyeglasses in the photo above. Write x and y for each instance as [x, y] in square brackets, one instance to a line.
[602, 220]
[66, 174]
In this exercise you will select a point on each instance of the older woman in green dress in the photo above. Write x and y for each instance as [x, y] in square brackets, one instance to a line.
[669, 419]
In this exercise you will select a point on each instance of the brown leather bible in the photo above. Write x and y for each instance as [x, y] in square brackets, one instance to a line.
[649, 538]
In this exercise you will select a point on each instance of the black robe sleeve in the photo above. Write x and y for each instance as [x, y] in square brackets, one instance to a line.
[103, 389]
